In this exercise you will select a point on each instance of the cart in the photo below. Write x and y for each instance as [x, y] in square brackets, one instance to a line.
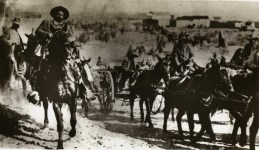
[109, 91]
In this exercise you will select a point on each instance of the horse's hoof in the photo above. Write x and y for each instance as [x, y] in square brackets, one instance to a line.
[72, 133]
[151, 126]
[46, 125]
[243, 141]
[165, 131]
[60, 145]
[193, 140]
[234, 141]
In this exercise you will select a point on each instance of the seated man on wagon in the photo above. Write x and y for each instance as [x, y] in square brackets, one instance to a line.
[152, 59]
[141, 60]
[128, 68]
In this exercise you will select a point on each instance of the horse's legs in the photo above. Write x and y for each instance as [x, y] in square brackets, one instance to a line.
[45, 106]
[208, 125]
[179, 123]
[141, 101]
[59, 118]
[191, 124]
[241, 122]
[73, 121]
[85, 107]
[253, 132]
[234, 132]
[132, 99]
[148, 115]
[166, 115]
[203, 127]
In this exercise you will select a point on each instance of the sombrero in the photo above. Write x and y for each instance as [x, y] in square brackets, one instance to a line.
[55, 10]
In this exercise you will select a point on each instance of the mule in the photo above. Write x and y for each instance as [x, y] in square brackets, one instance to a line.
[190, 98]
[145, 86]
[57, 81]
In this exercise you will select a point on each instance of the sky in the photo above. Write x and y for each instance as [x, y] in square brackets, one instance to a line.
[231, 10]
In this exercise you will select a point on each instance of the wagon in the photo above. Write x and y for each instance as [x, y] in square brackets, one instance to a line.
[109, 90]
[124, 95]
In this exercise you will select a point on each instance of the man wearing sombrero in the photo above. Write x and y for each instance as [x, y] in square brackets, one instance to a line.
[48, 27]
[44, 33]
[13, 38]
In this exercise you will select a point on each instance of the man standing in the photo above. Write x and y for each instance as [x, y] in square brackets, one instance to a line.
[12, 38]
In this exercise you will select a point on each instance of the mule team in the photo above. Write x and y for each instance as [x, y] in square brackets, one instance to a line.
[53, 71]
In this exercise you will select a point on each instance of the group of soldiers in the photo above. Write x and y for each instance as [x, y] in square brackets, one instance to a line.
[138, 59]
[43, 34]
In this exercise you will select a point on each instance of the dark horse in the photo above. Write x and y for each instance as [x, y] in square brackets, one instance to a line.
[239, 104]
[145, 87]
[195, 97]
[57, 82]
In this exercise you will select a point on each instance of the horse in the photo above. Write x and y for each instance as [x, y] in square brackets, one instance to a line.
[195, 96]
[11, 65]
[145, 86]
[239, 105]
[62, 83]
[244, 83]
[57, 81]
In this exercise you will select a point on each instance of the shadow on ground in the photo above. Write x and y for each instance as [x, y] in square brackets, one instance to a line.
[22, 128]
[117, 123]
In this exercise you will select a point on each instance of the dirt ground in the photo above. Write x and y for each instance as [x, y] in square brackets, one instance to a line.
[21, 127]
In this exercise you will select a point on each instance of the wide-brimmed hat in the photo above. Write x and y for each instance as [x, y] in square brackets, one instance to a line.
[16, 20]
[55, 10]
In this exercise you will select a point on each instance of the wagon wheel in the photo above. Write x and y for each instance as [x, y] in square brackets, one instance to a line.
[156, 107]
[107, 91]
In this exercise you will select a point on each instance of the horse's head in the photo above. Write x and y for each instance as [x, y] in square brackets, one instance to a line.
[60, 49]
[161, 70]
[32, 46]
[219, 77]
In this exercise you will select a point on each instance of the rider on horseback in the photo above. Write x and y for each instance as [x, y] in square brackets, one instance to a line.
[44, 33]
[181, 55]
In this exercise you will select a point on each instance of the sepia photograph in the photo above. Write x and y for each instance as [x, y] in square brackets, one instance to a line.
[129, 74]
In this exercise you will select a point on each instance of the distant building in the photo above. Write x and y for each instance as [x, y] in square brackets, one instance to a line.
[163, 18]
[195, 21]
[150, 22]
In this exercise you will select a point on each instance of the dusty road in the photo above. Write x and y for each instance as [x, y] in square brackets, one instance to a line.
[21, 127]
